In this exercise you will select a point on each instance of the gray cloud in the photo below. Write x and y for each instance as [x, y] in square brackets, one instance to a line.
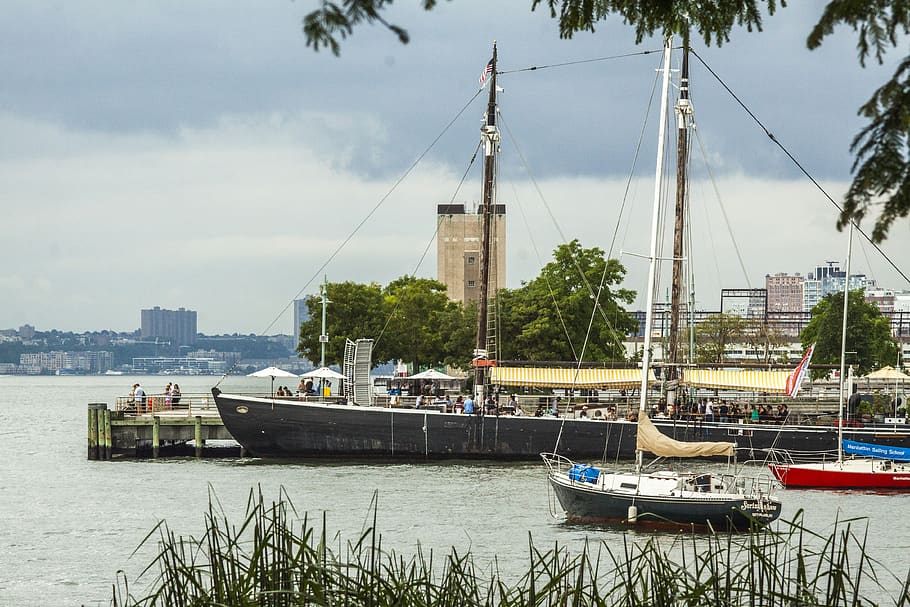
[200, 156]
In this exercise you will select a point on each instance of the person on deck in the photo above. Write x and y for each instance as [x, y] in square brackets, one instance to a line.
[469, 406]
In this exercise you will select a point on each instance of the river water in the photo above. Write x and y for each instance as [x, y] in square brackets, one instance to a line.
[67, 525]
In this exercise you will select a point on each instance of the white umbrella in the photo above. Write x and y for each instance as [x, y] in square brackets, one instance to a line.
[272, 372]
[431, 374]
[324, 373]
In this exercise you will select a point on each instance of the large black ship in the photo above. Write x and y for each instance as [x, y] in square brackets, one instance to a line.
[288, 427]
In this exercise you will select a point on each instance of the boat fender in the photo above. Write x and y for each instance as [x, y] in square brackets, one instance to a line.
[633, 514]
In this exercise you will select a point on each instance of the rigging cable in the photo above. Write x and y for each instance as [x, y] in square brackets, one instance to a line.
[799, 165]
[429, 243]
[363, 221]
[579, 62]
[723, 210]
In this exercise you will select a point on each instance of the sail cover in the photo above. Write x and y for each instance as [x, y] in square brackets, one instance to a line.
[651, 439]
[879, 451]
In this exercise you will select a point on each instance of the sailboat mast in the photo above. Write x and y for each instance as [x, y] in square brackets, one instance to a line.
[843, 351]
[489, 136]
[655, 224]
[683, 118]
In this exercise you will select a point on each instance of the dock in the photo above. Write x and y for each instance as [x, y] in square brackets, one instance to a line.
[155, 427]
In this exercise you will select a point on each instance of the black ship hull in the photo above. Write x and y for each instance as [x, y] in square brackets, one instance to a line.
[275, 427]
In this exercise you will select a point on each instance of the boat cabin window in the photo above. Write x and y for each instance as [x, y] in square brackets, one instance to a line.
[628, 486]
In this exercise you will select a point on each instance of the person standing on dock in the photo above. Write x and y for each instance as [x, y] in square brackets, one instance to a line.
[140, 397]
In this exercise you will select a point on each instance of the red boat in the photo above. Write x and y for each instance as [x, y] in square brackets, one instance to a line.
[850, 473]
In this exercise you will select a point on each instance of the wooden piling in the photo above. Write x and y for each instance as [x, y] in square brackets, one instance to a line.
[95, 430]
[197, 435]
[108, 445]
[156, 435]
[92, 432]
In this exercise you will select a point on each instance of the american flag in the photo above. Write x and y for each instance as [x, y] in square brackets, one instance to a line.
[486, 72]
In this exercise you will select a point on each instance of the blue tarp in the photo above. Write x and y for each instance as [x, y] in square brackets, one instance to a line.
[879, 451]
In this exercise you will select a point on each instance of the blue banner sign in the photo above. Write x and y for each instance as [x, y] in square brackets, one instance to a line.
[879, 451]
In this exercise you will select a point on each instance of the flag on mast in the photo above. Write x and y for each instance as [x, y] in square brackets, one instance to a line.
[486, 72]
[795, 379]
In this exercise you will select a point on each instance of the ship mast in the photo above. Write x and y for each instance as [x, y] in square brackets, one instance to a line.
[489, 137]
[683, 121]
[652, 257]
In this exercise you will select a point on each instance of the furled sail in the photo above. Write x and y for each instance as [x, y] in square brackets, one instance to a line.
[652, 440]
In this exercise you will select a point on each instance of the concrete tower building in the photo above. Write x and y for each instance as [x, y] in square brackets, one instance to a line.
[458, 250]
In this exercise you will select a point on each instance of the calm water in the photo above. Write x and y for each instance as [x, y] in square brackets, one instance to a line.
[67, 525]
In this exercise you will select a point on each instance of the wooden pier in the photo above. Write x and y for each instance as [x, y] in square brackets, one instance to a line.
[155, 428]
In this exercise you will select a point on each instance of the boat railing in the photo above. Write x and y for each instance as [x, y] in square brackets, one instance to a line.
[790, 456]
[557, 464]
[758, 484]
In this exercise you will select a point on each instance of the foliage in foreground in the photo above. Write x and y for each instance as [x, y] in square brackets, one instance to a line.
[275, 559]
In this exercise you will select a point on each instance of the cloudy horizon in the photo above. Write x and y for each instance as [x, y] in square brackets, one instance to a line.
[201, 156]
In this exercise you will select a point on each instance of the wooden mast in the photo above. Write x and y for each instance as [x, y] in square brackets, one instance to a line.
[489, 135]
[683, 120]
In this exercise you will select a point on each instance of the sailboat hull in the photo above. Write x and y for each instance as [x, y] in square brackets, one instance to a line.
[858, 473]
[661, 502]
[268, 427]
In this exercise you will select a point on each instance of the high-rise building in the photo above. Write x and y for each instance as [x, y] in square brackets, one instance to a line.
[177, 326]
[825, 280]
[458, 246]
[301, 315]
[785, 292]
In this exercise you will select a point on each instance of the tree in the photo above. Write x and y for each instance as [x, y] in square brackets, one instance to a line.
[763, 337]
[419, 313]
[714, 334]
[869, 341]
[548, 317]
[355, 311]
[881, 170]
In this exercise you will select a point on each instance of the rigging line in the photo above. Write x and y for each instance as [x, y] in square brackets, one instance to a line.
[546, 278]
[578, 62]
[723, 210]
[429, 243]
[375, 208]
[800, 166]
[622, 208]
[562, 235]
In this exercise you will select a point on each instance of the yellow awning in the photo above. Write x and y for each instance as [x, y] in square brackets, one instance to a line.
[545, 377]
[743, 379]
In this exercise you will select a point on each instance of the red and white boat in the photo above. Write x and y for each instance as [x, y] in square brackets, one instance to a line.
[876, 467]
[868, 466]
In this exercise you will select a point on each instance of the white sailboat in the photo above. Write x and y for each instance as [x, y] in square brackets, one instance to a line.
[592, 494]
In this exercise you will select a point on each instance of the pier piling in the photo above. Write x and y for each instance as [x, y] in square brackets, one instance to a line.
[197, 435]
[95, 412]
[156, 436]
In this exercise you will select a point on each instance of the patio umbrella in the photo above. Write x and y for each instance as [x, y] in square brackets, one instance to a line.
[887, 373]
[272, 372]
[431, 374]
[324, 373]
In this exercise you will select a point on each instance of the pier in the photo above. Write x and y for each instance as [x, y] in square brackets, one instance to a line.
[153, 427]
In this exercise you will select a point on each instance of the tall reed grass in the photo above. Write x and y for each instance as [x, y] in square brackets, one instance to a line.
[276, 558]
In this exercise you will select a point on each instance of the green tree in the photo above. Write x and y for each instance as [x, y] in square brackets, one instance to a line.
[355, 311]
[881, 171]
[548, 317]
[714, 334]
[869, 341]
[417, 310]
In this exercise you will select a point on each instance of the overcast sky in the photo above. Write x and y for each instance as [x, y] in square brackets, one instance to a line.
[199, 155]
